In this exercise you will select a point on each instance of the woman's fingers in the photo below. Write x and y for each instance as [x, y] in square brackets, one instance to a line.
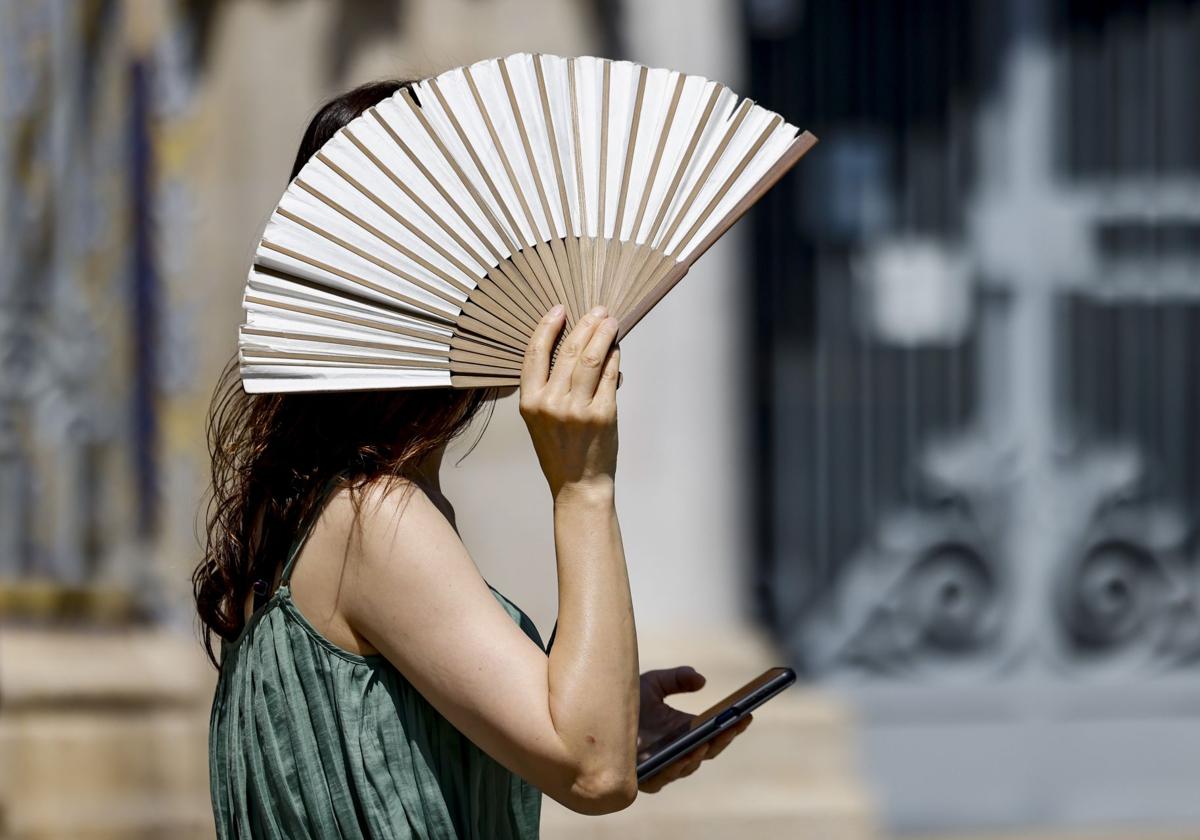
[691, 763]
[536, 366]
[664, 777]
[716, 745]
[571, 349]
[665, 681]
[587, 362]
[654, 784]
[590, 364]
[722, 741]
[610, 375]
[676, 770]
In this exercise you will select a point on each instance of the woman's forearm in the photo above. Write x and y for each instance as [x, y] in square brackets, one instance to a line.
[570, 408]
[593, 668]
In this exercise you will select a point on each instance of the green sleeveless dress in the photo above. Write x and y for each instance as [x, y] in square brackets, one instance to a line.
[307, 740]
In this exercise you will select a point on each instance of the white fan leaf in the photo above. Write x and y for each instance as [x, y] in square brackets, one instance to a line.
[422, 243]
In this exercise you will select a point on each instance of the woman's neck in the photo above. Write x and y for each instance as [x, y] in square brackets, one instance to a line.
[428, 475]
[428, 470]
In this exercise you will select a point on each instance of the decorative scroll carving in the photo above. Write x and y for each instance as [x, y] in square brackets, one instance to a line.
[1131, 595]
[925, 594]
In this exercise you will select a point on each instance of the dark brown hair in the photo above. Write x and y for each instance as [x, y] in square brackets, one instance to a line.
[272, 453]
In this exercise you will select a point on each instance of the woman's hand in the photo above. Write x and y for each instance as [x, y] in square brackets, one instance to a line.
[657, 719]
[571, 409]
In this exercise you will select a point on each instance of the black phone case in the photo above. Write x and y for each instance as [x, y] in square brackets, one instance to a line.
[693, 738]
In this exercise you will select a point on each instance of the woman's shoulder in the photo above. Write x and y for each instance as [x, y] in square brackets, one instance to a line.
[362, 539]
[380, 552]
[389, 518]
[393, 519]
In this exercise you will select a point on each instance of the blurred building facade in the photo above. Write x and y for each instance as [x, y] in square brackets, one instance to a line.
[976, 350]
[925, 416]
[147, 142]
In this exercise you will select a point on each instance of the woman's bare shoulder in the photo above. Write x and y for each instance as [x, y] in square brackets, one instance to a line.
[389, 515]
[360, 533]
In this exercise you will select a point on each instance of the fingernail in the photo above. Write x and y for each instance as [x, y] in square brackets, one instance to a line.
[556, 311]
[598, 311]
[610, 322]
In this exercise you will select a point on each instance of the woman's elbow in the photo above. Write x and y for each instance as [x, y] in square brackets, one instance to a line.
[603, 792]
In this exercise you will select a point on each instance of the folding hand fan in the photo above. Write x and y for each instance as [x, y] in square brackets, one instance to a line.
[420, 246]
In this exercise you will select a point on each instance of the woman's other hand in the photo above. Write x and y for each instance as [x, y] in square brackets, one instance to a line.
[657, 719]
[570, 408]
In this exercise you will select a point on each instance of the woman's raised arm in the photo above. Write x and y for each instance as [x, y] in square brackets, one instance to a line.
[566, 722]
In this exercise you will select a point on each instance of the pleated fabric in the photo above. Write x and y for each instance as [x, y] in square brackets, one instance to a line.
[308, 740]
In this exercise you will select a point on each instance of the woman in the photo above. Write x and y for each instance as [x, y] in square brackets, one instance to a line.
[372, 684]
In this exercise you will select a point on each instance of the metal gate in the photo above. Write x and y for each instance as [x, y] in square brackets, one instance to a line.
[977, 394]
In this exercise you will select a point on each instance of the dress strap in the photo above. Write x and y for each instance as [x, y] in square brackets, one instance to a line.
[307, 528]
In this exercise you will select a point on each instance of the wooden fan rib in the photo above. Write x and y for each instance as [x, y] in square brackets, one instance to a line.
[586, 257]
[684, 162]
[523, 297]
[641, 252]
[457, 381]
[365, 361]
[586, 300]
[355, 342]
[659, 152]
[490, 126]
[506, 302]
[575, 310]
[468, 367]
[436, 183]
[663, 266]
[558, 258]
[645, 278]
[399, 297]
[416, 230]
[530, 159]
[600, 246]
[562, 271]
[686, 206]
[486, 345]
[441, 294]
[640, 256]
[490, 289]
[482, 359]
[474, 310]
[391, 211]
[518, 260]
[549, 265]
[800, 147]
[506, 234]
[517, 324]
[630, 150]
[607, 292]
[473, 344]
[527, 267]
[552, 141]
[263, 378]
[652, 270]
[479, 330]
[347, 319]
[730, 181]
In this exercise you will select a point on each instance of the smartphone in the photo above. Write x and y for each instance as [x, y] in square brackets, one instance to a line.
[713, 721]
